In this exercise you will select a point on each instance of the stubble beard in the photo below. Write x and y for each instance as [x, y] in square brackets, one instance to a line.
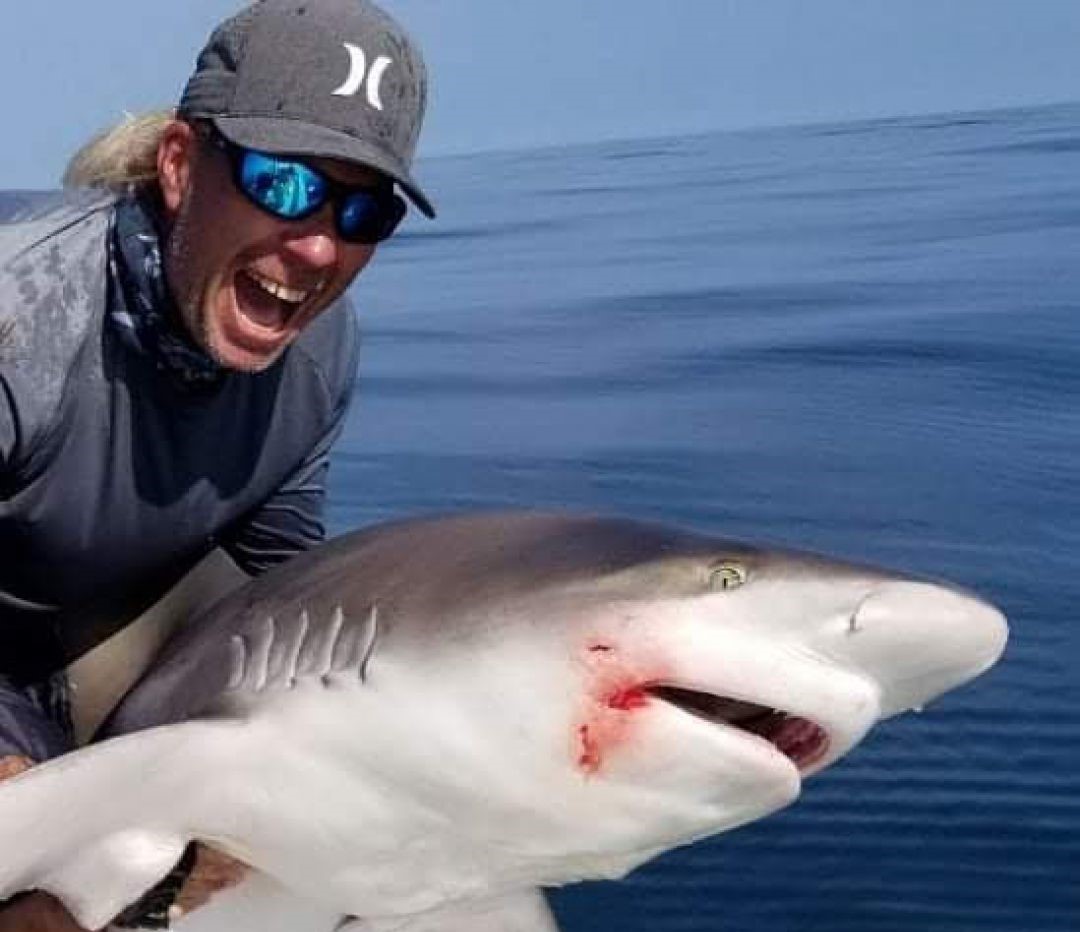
[195, 315]
[177, 263]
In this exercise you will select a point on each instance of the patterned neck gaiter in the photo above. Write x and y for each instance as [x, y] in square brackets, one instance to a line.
[142, 309]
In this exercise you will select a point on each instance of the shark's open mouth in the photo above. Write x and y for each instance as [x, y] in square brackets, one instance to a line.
[800, 739]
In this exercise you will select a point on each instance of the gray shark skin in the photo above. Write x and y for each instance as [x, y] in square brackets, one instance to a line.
[427, 718]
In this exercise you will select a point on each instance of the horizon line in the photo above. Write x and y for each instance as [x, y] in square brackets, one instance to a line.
[739, 129]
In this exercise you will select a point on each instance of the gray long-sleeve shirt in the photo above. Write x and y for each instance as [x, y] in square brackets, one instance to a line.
[115, 478]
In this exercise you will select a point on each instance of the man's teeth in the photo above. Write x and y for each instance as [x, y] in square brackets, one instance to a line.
[278, 290]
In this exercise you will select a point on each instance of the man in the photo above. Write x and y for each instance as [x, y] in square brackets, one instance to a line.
[176, 361]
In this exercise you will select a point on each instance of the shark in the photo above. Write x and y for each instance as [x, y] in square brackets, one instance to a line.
[419, 725]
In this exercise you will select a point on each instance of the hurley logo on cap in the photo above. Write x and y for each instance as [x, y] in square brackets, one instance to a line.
[358, 72]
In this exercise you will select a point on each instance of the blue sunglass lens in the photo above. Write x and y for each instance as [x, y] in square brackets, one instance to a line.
[369, 217]
[287, 189]
[359, 212]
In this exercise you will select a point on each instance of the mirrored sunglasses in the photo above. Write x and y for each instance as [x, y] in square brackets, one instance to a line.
[290, 189]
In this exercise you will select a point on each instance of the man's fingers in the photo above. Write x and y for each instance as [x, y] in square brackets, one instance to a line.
[212, 873]
[37, 912]
[14, 764]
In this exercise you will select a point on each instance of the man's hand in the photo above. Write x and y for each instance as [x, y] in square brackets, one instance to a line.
[13, 765]
[212, 873]
[39, 912]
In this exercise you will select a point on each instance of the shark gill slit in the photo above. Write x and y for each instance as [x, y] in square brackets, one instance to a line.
[325, 664]
[291, 669]
[371, 632]
[237, 662]
[259, 660]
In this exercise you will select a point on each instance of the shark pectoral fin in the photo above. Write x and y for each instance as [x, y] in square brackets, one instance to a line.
[100, 826]
[526, 911]
[101, 879]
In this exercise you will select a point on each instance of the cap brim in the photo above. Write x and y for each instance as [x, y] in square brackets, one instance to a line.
[294, 137]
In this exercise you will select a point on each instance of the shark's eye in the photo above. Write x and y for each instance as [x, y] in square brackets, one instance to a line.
[727, 576]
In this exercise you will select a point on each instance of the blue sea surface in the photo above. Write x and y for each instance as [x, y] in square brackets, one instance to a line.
[862, 339]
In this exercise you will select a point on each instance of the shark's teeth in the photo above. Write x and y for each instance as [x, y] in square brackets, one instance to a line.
[280, 291]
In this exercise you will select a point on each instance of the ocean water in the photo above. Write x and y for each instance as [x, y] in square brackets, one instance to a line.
[857, 338]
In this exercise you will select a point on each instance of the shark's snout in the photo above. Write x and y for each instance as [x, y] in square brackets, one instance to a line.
[918, 640]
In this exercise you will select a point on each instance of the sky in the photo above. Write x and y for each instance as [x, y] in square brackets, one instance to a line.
[515, 73]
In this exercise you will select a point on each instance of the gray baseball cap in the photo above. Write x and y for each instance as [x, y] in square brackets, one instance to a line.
[332, 78]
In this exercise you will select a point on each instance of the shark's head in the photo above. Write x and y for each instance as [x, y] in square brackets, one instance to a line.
[590, 692]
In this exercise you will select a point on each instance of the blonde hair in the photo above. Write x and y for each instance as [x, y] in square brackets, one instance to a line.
[121, 158]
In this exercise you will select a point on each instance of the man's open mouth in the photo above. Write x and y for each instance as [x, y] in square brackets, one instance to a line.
[804, 742]
[267, 303]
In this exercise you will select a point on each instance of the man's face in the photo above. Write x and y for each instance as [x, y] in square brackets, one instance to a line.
[247, 283]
